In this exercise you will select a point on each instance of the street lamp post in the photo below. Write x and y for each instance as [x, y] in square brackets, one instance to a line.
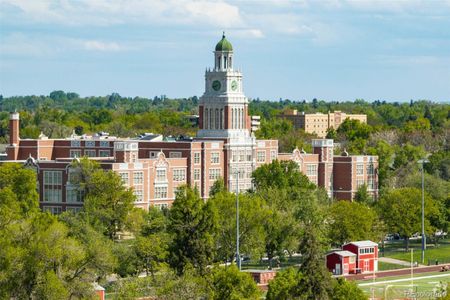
[238, 257]
[424, 238]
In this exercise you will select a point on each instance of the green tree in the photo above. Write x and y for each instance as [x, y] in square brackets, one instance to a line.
[352, 221]
[315, 282]
[151, 252]
[192, 224]
[252, 215]
[107, 201]
[331, 133]
[401, 208]
[344, 290]
[21, 182]
[280, 175]
[362, 196]
[285, 285]
[230, 283]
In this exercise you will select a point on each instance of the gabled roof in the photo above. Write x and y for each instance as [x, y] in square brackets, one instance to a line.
[363, 244]
[344, 253]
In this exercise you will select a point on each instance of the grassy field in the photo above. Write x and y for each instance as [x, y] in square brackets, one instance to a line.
[264, 265]
[384, 266]
[441, 253]
[422, 286]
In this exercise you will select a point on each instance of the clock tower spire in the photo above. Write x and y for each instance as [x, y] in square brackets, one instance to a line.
[223, 107]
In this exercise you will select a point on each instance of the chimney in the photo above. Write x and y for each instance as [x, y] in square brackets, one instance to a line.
[14, 128]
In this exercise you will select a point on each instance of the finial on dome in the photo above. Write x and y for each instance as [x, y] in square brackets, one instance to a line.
[223, 34]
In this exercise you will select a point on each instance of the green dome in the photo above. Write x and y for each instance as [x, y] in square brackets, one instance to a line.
[224, 44]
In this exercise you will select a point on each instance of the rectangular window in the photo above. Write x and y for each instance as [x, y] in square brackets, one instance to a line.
[179, 174]
[75, 153]
[104, 153]
[89, 144]
[160, 192]
[273, 154]
[104, 144]
[249, 155]
[196, 158]
[235, 156]
[161, 206]
[138, 177]
[73, 194]
[90, 153]
[139, 195]
[153, 154]
[214, 174]
[196, 174]
[311, 170]
[359, 182]
[174, 154]
[52, 177]
[359, 169]
[161, 175]
[52, 186]
[242, 156]
[74, 209]
[371, 184]
[215, 158]
[370, 170]
[124, 176]
[75, 143]
[52, 194]
[261, 156]
[352, 259]
[55, 210]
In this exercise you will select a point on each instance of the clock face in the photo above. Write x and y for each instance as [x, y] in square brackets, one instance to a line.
[234, 85]
[216, 85]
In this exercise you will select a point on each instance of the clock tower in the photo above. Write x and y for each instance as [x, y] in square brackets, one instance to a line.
[223, 111]
[223, 108]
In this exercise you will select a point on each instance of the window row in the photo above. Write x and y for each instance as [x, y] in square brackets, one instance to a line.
[89, 153]
[366, 250]
[91, 144]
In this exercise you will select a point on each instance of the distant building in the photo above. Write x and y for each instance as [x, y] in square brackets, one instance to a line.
[319, 123]
[355, 257]
[154, 167]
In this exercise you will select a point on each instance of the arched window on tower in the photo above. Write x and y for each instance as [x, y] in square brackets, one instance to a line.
[217, 119]
[231, 65]
[211, 118]
[221, 118]
[218, 62]
[205, 119]
[232, 118]
[225, 61]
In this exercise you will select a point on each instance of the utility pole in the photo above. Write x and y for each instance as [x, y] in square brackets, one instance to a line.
[238, 257]
[424, 238]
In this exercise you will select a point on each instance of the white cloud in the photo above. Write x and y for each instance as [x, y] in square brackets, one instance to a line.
[247, 33]
[105, 12]
[101, 46]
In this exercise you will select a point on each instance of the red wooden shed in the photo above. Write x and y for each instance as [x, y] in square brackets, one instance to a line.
[341, 262]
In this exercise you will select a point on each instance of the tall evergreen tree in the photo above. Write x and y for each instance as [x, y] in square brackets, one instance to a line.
[192, 223]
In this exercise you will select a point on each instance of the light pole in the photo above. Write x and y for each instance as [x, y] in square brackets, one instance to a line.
[238, 257]
[424, 238]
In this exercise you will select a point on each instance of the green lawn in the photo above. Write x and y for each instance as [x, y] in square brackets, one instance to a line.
[441, 252]
[423, 286]
[384, 266]
[264, 265]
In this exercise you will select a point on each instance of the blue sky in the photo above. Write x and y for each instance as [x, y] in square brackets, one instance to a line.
[332, 50]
